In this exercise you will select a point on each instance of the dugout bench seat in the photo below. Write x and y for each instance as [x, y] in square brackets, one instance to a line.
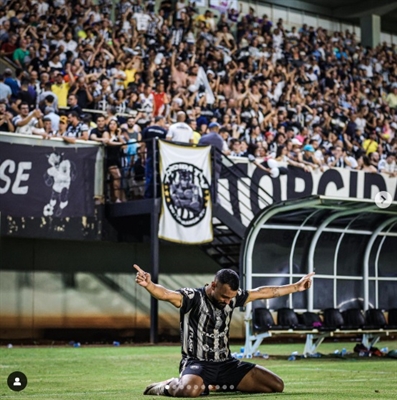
[331, 322]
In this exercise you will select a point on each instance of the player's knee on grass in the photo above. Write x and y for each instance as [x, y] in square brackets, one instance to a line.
[261, 380]
[278, 384]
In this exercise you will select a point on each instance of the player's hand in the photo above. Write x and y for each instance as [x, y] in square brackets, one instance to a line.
[142, 278]
[305, 283]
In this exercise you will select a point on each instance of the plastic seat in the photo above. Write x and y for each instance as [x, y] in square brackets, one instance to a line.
[376, 318]
[312, 320]
[333, 319]
[288, 319]
[263, 320]
[392, 319]
[354, 319]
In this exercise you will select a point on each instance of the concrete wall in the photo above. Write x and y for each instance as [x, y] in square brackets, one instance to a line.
[53, 284]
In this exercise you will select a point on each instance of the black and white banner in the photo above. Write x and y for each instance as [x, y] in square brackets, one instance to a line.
[38, 181]
[244, 190]
[186, 215]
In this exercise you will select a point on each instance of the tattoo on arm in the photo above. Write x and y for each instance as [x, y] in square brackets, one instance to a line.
[276, 292]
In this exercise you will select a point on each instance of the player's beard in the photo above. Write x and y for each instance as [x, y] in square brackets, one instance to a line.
[218, 304]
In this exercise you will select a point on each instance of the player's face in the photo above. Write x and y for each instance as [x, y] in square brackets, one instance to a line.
[222, 295]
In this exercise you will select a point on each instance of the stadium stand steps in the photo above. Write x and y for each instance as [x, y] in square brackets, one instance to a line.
[228, 228]
[228, 235]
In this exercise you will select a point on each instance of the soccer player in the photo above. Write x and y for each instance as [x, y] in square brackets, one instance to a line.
[205, 315]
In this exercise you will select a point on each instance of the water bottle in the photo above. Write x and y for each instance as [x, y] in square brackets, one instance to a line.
[291, 358]
[240, 356]
[9, 346]
[248, 356]
[336, 352]
[343, 352]
[242, 349]
[116, 343]
[257, 354]
[77, 344]
[265, 356]
[384, 350]
[294, 353]
[234, 355]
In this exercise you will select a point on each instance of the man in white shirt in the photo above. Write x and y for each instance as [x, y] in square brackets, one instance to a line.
[27, 123]
[68, 44]
[388, 166]
[180, 131]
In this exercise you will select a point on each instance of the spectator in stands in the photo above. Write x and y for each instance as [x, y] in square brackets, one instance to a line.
[366, 166]
[6, 124]
[82, 95]
[11, 82]
[25, 95]
[308, 157]
[9, 46]
[213, 138]
[47, 127]
[76, 128]
[388, 165]
[339, 158]
[5, 91]
[115, 139]
[180, 131]
[63, 125]
[73, 104]
[61, 88]
[40, 63]
[50, 114]
[21, 53]
[98, 134]
[26, 122]
[155, 130]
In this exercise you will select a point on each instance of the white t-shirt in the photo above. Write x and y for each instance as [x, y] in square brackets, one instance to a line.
[383, 166]
[25, 129]
[142, 21]
[180, 132]
[71, 45]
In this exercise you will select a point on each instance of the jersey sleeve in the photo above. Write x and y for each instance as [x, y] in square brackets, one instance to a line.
[241, 298]
[190, 298]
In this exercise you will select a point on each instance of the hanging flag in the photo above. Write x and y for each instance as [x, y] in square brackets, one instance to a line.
[186, 215]
[202, 80]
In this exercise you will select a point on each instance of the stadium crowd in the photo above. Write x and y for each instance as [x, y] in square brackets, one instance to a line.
[303, 96]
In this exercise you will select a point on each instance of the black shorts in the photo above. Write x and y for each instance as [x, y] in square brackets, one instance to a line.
[225, 374]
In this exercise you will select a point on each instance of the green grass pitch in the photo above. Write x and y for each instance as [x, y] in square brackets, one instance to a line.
[123, 372]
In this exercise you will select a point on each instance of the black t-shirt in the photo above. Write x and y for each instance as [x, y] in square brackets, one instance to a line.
[4, 127]
[37, 63]
[151, 132]
[99, 133]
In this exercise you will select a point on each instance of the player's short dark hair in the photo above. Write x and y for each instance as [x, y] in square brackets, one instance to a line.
[228, 276]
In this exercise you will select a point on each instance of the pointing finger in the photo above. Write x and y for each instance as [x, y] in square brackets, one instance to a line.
[138, 269]
[310, 275]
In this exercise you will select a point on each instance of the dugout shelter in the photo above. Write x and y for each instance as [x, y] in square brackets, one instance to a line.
[351, 245]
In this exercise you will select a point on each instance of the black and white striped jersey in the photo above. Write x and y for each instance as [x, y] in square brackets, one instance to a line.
[204, 327]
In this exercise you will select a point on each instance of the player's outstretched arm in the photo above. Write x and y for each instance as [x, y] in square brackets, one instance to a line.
[159, 292]
[269, 292]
